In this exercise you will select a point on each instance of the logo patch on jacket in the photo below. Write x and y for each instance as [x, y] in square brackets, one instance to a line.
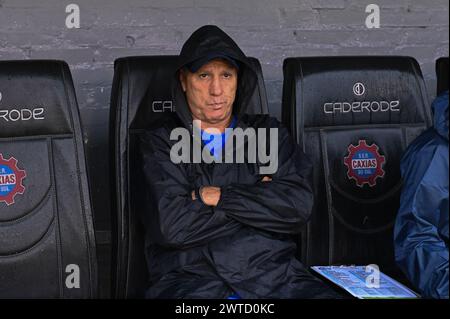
[11, 178]
[364, 163]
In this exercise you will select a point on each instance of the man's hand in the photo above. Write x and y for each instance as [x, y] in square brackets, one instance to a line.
[210, 195]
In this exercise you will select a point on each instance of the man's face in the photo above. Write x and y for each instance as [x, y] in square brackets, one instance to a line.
[210, 92]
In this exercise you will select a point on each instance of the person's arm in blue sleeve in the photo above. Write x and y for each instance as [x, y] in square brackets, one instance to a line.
[421, 244]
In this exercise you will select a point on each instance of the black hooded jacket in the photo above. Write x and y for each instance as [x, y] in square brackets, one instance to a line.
[245, 244]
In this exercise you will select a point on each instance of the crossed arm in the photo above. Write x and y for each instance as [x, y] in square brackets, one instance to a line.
[210, 195]
[281, 203]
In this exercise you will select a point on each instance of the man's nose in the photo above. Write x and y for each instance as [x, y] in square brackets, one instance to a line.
[216, 87]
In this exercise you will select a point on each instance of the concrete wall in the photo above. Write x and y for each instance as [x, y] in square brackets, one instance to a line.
[270, 30]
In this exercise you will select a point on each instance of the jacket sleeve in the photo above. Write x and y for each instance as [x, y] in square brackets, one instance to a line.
[173, 219]
[419, 236]
[282, 205]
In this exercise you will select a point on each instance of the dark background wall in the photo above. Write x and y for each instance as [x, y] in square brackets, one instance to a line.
[269, 30]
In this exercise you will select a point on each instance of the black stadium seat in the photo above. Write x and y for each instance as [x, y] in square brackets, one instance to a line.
[141, 94]
[354, 116]
[442, 74]
[47, 246]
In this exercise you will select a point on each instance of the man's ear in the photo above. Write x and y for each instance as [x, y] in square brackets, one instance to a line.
[182, 77]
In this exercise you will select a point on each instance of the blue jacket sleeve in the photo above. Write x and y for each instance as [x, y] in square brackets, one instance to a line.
[421, 229]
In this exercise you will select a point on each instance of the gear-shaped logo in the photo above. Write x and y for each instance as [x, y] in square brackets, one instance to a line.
[11, 180]
[364, 163]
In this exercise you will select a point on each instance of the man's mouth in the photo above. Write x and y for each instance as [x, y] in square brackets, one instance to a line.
[216, 106]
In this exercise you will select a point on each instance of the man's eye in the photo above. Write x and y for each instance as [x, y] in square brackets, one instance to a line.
[227, 75]
[203, 75]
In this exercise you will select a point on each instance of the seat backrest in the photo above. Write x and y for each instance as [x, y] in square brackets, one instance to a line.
[141, 95]
[442, 74]
[47, 245]
[354, 116]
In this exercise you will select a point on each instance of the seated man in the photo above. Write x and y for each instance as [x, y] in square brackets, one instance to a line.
[421, 229]
[220, 229]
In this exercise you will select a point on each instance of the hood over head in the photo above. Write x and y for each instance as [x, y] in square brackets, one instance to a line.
[204, 44]
[440, 110]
